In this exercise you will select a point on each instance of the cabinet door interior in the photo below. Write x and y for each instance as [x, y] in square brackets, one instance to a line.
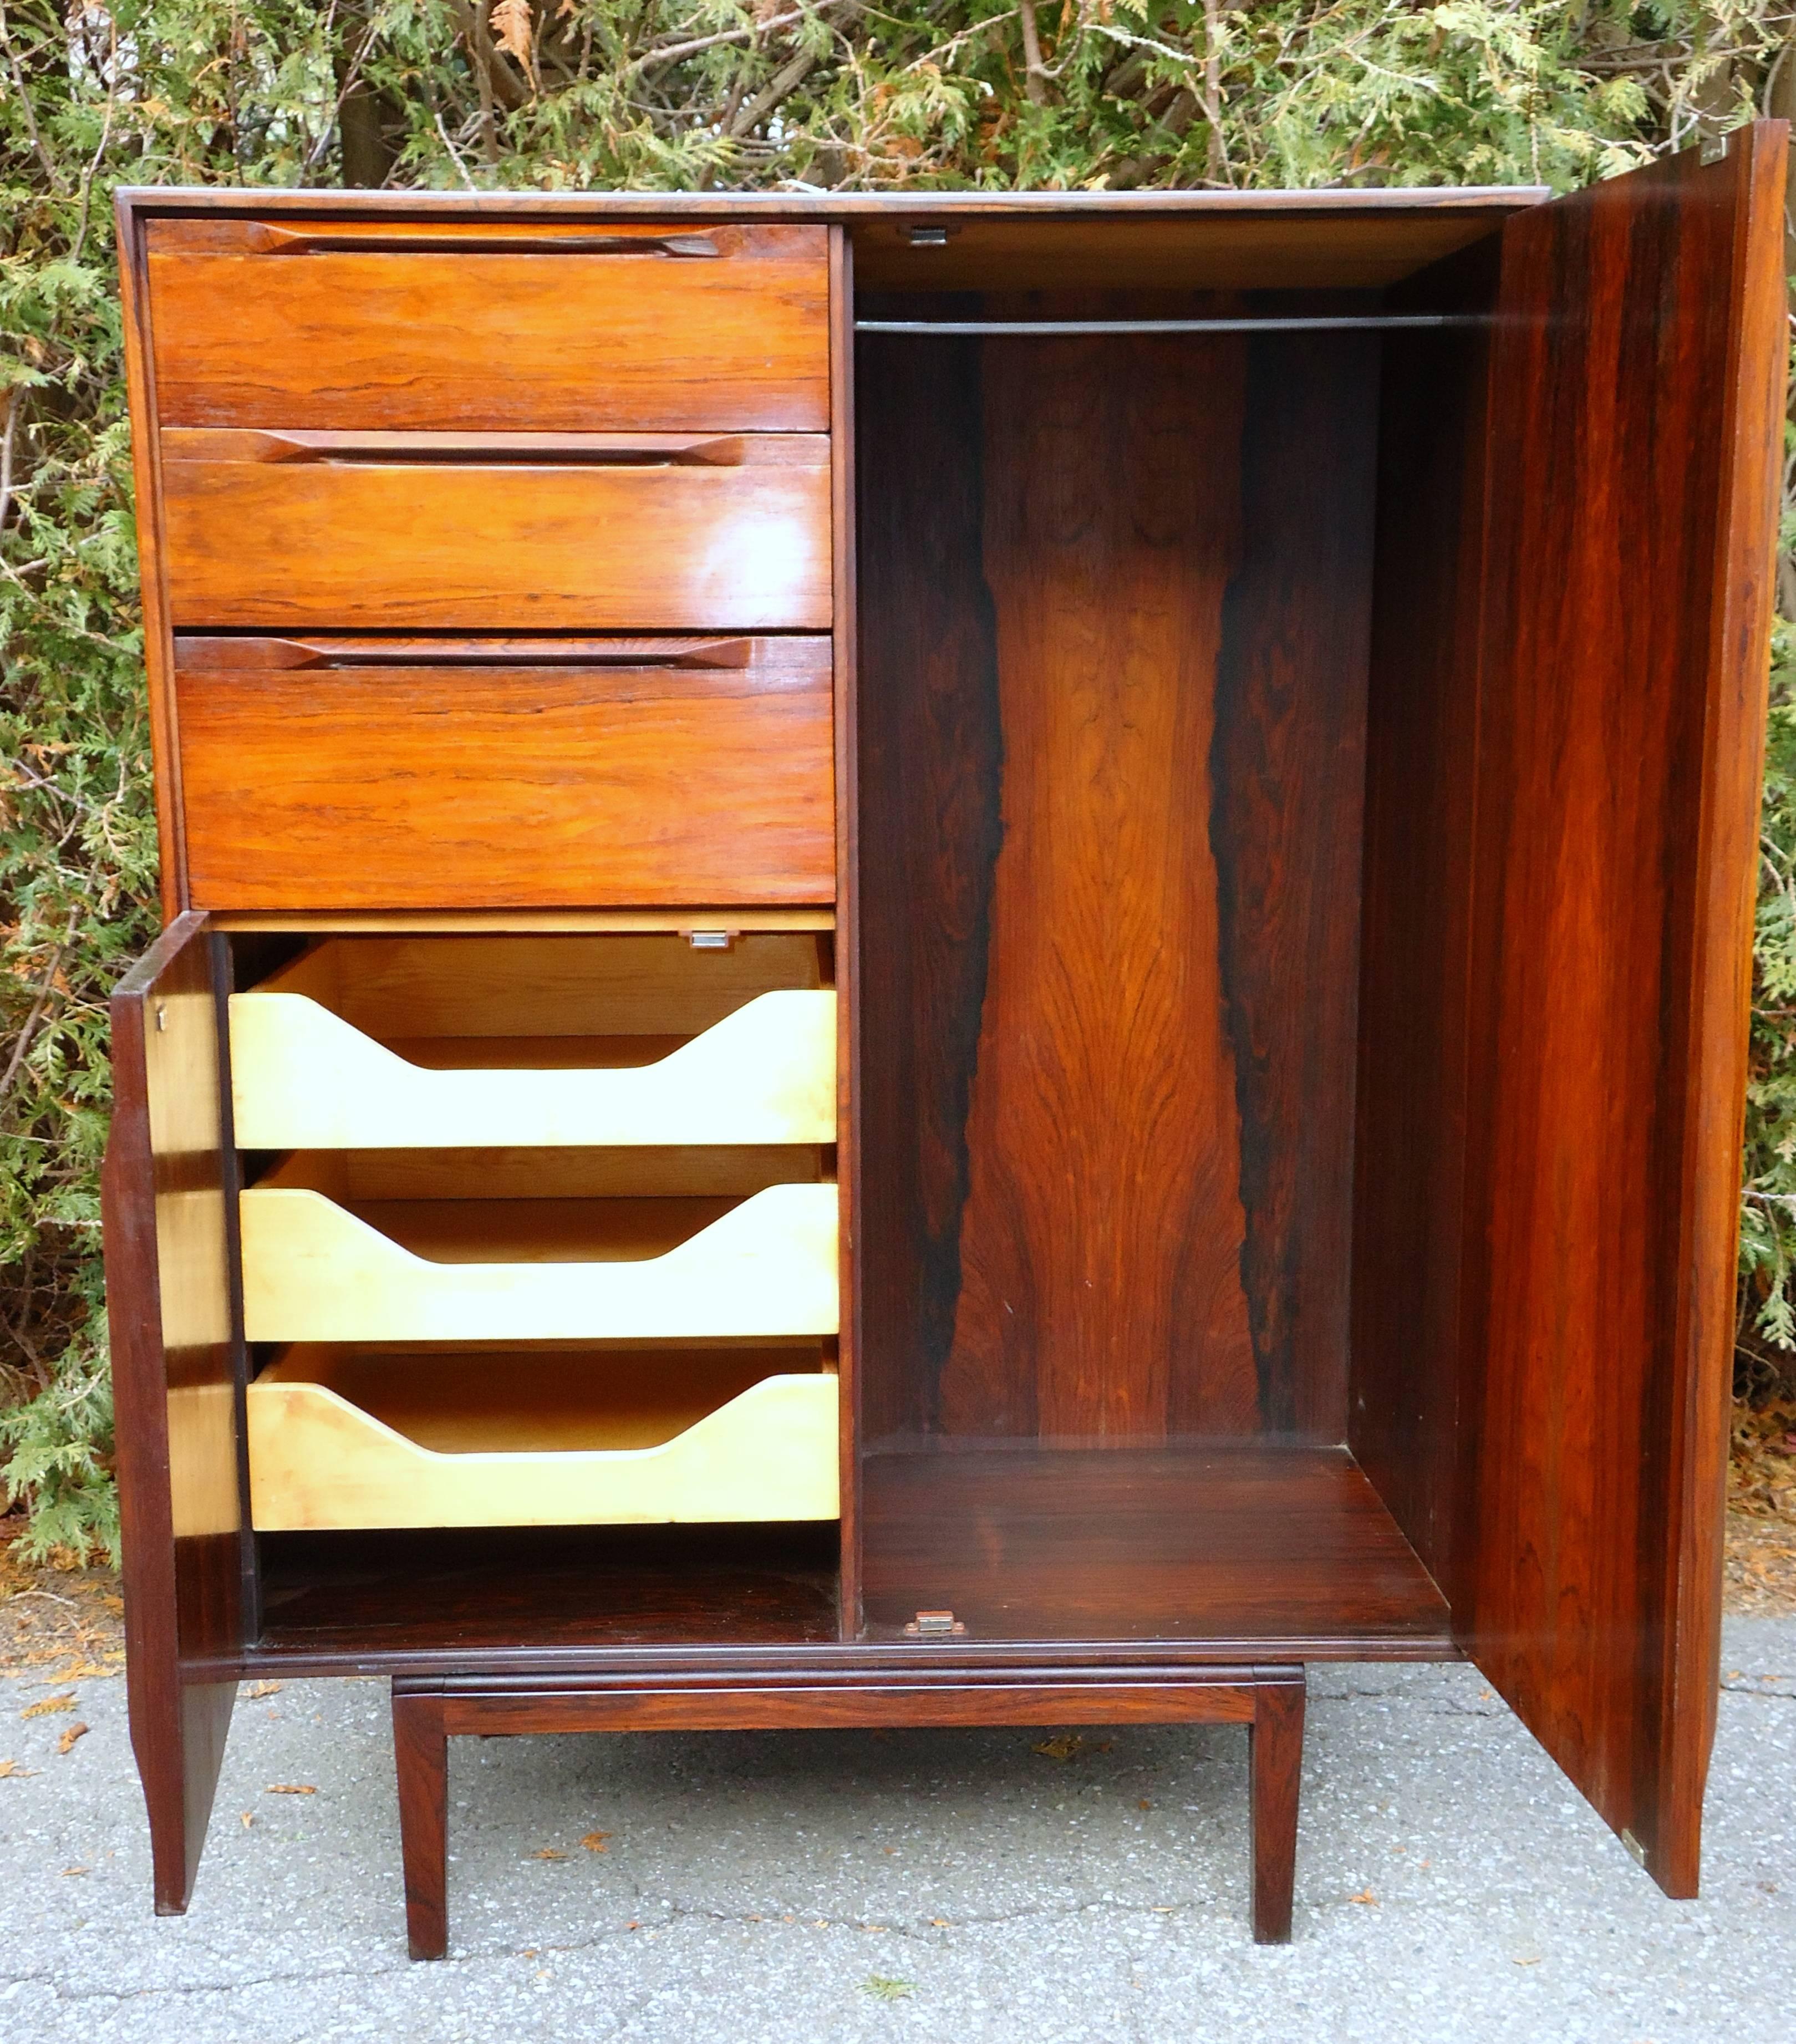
[1634, 435]
[170, 1257]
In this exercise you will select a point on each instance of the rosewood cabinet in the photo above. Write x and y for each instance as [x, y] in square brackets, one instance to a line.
[943, 959]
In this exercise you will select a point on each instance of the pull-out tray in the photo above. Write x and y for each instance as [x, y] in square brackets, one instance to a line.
[349, 1438]
[435, 1042]
[539, 1269]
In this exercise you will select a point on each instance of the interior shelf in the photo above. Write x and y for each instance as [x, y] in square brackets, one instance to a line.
[1274, 1548]
[357, 1438]
[398, 1043]
[418, 1600]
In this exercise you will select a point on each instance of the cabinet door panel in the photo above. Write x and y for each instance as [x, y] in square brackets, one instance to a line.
[171, 1314]
[568, 326]
[1636, 401]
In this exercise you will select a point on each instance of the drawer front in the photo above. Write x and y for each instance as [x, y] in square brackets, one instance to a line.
[443, 326]
[304, 1078]
[475, 774]
[393, 533]
[314, 1271]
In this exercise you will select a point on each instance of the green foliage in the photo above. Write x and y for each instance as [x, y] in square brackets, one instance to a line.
[673, 94]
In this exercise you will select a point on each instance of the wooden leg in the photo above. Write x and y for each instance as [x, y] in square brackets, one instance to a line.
[1276, 1762]
[420, 1753]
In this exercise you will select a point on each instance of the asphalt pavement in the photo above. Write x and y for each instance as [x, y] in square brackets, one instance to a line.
[826, 1887]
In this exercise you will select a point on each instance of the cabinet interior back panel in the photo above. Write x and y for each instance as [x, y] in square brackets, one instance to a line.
[1115, 594]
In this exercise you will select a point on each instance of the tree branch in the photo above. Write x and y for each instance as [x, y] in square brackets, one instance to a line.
[782, 83]
[1034, 72]
[44, 157]
[667, 53]
[7, 436]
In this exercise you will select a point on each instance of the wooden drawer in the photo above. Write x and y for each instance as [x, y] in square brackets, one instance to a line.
[377, 774]
[433, 1043]
[539, 1269]
[455, 532]
[352, 1439]
[440, 327]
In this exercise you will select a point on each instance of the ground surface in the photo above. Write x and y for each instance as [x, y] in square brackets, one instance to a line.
[825, 1888]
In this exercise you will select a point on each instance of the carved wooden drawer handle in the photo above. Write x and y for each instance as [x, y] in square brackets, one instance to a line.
[227, 443]
[269, 240]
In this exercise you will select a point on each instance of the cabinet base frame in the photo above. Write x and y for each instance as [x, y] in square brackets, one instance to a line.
[428, 1711]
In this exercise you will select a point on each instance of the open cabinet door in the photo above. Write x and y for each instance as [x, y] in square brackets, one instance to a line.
[1635, 442]
[169, 1308]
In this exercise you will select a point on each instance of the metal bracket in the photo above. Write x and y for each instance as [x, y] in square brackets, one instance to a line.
[933, 1625]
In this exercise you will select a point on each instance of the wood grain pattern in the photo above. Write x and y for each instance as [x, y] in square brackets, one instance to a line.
[485, 545]
[306, 1079]
[370, 324]
[474, 784]
[1287, 776]
[515, 1175]
[1401, 208]
[420, 1754]
[928, 788]
[1110, 812]
[1102, 1234]
[146, 470]
[520, 984]
[387, 1602]
[497, 922]
[1239, 1541]
[990, 250]
[426, 1709]
[1407, 1378]
[1218, 1696]
[1276, 1776]
[175, 1363]
[314, 1271]
[845, 950]
[339, 1438]
[1636, 383]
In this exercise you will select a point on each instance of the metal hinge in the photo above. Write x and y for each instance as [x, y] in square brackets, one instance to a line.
[1714, 148]
[1634, 1846]
[933, 1625]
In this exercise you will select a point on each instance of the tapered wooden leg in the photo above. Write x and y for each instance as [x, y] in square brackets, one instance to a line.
[1276, 1763]
[420, 1753]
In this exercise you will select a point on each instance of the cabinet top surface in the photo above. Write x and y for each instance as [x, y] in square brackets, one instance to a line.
[1494, 201]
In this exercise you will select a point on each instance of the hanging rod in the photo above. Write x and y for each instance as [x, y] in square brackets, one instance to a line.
[1341, 323]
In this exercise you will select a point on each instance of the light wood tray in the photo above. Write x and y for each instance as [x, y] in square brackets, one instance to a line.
[344, 1438]
[302, 1078]
[539, 1269]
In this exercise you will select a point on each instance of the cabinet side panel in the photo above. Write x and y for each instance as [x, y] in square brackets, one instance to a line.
[1420, 753]
[170, 1314]
[1633, 430]
[146, 468]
